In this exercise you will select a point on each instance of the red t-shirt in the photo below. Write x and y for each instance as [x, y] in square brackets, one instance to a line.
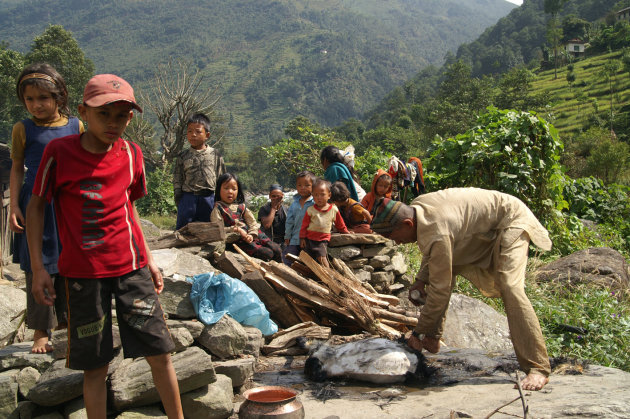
[93, 195]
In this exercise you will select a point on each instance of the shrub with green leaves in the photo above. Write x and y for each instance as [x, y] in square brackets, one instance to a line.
[607, 205]
[160, 199]
[513, 152]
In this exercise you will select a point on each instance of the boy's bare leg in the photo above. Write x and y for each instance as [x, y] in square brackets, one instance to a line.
[534, 381]
[165, 381]
[95, 392]
[40, 342]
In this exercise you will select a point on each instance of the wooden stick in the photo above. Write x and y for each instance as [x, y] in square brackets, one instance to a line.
[384, 314]
[248, 258]
[320, 272]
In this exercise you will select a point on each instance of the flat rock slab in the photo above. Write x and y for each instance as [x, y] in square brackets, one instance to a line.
[8, 392]
[57, 385]
[19, 355]
[146, 412]
[132, 383]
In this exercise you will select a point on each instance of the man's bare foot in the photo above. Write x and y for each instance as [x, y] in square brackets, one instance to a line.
[40, 342]
[534, 381]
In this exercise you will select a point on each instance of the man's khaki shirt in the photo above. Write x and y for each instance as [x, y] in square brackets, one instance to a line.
[460, 228]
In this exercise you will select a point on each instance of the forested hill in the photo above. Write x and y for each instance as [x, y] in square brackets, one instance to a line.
[520, 37]
[328, 60]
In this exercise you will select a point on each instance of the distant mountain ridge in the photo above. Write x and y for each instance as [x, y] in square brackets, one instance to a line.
[272, 59]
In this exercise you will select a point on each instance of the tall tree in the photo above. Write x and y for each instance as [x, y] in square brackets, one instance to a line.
[460, 98]
[57, 47]
[554, 33]
[11, 63]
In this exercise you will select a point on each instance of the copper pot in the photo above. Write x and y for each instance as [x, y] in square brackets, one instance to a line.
[271, 402]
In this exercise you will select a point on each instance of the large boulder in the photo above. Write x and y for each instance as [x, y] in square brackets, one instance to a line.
[12, 308]
[213, 401]
[471, 323]
[132, 382]
[597, 265]
[225, 339]
[176, 265]
[174, 261]
[239, 370]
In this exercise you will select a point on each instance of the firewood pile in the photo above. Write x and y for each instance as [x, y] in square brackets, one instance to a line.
[310, 292]
[353, 296]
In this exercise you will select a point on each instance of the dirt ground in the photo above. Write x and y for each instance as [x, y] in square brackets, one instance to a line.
[597, 392]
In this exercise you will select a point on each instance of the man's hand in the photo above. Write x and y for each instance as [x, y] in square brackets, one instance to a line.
[421, 288]
[43, 289]
[430, 343]
[156, 276]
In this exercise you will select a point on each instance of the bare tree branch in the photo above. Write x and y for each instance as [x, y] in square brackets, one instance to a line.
[176, 95]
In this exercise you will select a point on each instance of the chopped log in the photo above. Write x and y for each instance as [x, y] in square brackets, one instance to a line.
[302, 269]
[192, 234]
[326, 277]
[388, 331]
[228, 264]
[290, 275]
[391, 299]
[369, 287]
[388, 315]
[278, 307]
[394, 325]
[343, 269]
[302, 310]
[350, 299]
[286, 338]
[316, 300]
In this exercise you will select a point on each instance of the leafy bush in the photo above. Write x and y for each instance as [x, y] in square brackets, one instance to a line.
[608, 206]
[367, 164]
[160, 199]
[513, 152]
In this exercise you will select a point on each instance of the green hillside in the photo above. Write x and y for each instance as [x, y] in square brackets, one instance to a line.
[271, 59]
[569, 113]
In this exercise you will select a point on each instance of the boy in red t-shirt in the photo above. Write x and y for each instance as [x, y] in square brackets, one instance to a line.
[94, 179]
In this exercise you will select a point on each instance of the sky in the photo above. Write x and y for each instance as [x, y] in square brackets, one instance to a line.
[519, 2]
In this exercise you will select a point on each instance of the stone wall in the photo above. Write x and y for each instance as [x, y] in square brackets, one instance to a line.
[374, 260]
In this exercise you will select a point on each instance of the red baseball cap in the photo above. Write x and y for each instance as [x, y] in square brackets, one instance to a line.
[103, 89]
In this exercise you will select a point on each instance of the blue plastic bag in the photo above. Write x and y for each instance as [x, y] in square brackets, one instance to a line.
[214, 295]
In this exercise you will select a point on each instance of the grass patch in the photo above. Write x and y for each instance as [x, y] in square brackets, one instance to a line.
[163, 222]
